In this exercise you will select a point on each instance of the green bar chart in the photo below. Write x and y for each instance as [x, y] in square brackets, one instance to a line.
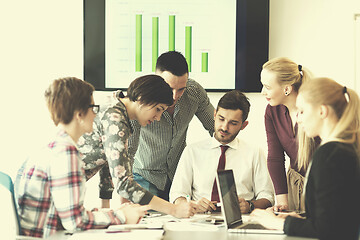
[138, 50]
[188, 45]
[155, 41]
[138, 32]
[204, 62]
[171, 33]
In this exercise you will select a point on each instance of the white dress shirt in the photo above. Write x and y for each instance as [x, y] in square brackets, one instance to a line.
[197, 168]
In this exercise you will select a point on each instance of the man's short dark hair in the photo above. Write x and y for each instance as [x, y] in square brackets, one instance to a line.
[173, 62]
[234, 100]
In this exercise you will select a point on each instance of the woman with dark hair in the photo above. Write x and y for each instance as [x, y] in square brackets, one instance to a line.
[106, 149]
[50, 185]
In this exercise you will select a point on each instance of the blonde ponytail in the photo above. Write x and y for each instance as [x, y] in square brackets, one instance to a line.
[306, 148]
[288, 72]
[325, 91]
[348, 127]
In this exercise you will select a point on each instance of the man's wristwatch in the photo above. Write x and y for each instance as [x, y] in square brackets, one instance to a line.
[252, 207]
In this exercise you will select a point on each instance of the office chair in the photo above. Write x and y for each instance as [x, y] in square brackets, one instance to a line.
[9, 221]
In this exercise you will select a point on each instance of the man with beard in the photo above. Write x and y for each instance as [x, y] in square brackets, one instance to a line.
[195, 175]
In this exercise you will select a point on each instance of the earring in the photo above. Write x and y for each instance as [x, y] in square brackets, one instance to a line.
[286, 93]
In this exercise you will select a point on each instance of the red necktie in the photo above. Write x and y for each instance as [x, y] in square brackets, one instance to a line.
[221, 166]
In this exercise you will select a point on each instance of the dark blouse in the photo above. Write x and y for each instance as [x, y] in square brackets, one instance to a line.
[281, 139]
[332, 195]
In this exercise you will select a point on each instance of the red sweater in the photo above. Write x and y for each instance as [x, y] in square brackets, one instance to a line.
[280, 139]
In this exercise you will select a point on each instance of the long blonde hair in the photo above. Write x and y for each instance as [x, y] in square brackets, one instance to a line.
[345, 103]
[287, 72]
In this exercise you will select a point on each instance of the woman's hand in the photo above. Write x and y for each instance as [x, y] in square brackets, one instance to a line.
[280, 208]
[134, 212]
[268, 219]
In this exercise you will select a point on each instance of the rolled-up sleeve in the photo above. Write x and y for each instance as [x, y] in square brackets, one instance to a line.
[183, 178]
[262, 184]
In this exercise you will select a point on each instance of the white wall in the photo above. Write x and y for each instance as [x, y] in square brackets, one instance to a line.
[42, 40]
[319, 34]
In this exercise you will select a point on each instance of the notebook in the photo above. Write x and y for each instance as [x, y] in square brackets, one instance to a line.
[231, 209]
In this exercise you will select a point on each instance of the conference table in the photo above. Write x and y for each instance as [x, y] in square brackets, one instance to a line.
[168, 228]
[176, 235]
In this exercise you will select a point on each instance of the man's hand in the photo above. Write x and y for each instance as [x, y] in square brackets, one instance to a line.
[105, 203]
[184, 209]
[205, 205]
[244, 205]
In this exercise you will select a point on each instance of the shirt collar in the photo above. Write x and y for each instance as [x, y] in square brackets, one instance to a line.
[63, 136]
[215, 143]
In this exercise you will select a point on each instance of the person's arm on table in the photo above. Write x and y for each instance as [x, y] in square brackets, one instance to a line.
[268, 219]
[202, 205]
[250, 205]
[67, 188]
[180, 191]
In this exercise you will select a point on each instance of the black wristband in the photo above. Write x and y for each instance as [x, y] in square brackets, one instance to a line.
[252, 206]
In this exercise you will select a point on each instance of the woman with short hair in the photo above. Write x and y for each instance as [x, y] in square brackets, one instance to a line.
[50, 185]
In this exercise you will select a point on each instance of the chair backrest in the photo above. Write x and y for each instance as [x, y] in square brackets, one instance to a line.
[9, 221]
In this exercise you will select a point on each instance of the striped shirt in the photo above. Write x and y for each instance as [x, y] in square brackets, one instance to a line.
[50, 189]
[158, 146]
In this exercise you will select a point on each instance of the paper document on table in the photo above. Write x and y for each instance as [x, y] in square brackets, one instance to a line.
[190, 226]
[96, 234]
[198, 222]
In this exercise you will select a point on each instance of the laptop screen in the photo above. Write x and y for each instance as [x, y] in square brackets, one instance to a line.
[229, 198]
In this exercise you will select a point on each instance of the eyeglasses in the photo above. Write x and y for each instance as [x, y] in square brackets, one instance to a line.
[95, 108]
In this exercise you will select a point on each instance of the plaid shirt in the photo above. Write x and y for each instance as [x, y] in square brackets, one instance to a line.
[50, 188]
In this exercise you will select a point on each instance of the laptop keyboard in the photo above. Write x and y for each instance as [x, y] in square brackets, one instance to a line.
[251, 226]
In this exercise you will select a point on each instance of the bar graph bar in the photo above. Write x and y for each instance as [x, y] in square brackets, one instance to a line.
[155, 41]
[138, 51]
[155, 44]
[188, 45]
[204, 62]
[172, 33]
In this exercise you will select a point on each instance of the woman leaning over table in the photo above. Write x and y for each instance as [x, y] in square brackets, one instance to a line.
[50, 185]
[332, 196]
[106, 148]
[281, 79]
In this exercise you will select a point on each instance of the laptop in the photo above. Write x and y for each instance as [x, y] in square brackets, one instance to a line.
[231, 209]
